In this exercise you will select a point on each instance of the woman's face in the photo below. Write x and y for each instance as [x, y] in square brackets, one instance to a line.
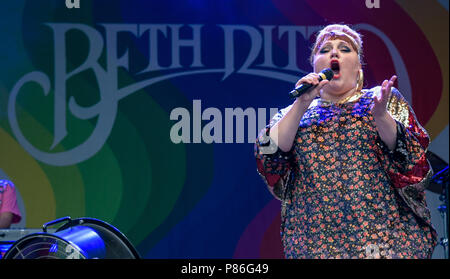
[340, 56]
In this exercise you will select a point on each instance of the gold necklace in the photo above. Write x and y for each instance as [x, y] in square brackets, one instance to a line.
[355, 96]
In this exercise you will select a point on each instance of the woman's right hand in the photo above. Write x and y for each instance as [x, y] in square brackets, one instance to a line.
[284, 131]
[311, 78]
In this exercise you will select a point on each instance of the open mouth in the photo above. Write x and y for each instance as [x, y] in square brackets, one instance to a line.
[334, 65]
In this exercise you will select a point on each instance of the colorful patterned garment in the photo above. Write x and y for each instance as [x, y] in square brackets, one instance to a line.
[343, 193]
[8, 200]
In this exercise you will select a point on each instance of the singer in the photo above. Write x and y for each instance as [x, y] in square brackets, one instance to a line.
[349, 165]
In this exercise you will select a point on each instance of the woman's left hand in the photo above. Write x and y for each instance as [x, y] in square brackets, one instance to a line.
[386, 125]
[380, 103]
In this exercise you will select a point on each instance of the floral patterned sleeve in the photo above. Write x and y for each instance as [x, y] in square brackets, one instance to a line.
[274, 165]
[407, 165]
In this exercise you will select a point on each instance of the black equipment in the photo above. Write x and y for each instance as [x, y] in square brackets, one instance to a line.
[304, 87]
[83, 238]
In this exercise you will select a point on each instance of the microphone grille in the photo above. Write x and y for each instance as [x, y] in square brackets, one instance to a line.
[328, 73]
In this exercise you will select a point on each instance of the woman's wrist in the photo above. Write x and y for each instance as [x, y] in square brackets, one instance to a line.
[387, 129]
[302, 104]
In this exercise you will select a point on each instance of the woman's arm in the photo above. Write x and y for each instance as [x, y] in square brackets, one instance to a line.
[386, 125]
[5, 220]
[284, 131]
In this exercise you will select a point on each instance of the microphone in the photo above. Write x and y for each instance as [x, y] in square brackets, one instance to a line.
[304, 87]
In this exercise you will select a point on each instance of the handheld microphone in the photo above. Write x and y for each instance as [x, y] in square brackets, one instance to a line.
[304, 87]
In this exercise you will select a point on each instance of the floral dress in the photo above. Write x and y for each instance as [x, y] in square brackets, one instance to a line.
[344, 193]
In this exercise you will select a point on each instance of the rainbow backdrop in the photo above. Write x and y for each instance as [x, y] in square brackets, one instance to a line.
[165, 196]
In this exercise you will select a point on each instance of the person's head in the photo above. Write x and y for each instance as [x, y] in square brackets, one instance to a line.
[339, 47]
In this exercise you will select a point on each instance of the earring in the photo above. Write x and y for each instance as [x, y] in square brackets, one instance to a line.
[360, 82]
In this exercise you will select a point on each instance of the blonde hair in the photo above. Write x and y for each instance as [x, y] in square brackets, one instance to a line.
[341, 31]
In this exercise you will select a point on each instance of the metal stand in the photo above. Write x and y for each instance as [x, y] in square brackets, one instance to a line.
[442, 178]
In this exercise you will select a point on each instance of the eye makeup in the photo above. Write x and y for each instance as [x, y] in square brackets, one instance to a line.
[343, 46]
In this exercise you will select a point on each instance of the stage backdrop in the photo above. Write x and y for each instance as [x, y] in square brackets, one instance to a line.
[143, 113]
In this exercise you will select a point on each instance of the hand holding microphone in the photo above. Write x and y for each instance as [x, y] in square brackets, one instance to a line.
[310, 85]
[307, 88]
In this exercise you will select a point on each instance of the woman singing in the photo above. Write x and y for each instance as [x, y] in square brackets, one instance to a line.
[349, 163]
